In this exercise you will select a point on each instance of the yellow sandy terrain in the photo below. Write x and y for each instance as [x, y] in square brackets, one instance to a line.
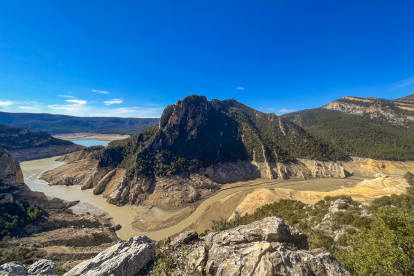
[364, 192]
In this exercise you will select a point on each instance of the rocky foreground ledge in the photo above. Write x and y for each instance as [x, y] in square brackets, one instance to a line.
[265, 247]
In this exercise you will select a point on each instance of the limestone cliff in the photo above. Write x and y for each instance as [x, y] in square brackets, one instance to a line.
[27, 145]
[398, 111]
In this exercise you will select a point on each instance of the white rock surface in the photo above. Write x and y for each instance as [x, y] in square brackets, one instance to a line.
[42, 267]
[13, 269]
[122, 259]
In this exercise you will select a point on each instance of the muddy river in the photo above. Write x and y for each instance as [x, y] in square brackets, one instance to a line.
[125, 215]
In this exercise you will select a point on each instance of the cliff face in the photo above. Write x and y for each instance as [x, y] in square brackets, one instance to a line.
[10, 172]
[26, 145]
[397, 112]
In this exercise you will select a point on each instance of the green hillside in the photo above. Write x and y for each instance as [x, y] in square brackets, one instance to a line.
[358, 135]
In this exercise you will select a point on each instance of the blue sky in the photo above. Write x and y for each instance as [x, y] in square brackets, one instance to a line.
[132, 58]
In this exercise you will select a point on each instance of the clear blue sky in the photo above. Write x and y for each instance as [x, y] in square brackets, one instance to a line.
[271, 55]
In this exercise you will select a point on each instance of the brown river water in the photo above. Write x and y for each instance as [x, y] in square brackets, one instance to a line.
[125, 215]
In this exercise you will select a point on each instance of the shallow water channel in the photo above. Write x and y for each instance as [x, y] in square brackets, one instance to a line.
[125, 215]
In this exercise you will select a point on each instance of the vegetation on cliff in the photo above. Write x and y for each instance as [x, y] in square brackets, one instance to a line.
[196, 133]
[15, 214]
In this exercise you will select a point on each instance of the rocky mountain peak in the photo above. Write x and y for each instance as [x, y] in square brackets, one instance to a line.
[186, 115]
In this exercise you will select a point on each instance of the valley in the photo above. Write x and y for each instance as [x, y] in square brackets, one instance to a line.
[161, 222]
[209, 166]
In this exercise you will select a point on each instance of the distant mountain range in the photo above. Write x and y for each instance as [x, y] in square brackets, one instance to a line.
[368, 127]
[60, 124]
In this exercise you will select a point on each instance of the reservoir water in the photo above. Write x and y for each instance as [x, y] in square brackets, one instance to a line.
[125, 215]
[89, 143]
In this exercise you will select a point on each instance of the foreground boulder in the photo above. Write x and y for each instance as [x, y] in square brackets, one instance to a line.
[13, 268]
[122, 259]
[41, 267]
[185, 237]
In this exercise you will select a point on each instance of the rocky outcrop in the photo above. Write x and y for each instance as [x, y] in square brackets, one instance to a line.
[265, 247]
[185, 238]
[13, 269]
[122, 259]
[10, 172]
[85, 153]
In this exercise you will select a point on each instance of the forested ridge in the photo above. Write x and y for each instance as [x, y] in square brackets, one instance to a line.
[18, 137]
[358, 135]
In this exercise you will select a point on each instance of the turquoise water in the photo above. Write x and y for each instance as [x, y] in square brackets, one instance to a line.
[89, 143]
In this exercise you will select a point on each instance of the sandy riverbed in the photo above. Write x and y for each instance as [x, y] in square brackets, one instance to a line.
[91, 136]
[171, 220]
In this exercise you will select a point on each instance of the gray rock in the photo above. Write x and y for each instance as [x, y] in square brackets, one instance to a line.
[42, 267]
[185, 238]
[269, 229]
[13, 269]
[287, 262]
[122, 259]
[266, 247]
